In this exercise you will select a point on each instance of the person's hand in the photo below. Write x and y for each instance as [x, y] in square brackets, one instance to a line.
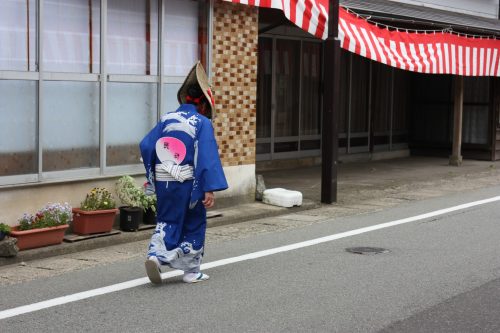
[209, 200]
[149, 188]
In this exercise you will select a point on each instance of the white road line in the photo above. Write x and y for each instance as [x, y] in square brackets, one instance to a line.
[142, 281]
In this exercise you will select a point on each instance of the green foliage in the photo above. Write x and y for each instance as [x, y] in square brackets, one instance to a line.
[132, 195]
[129, 193]
[98, 199]
[4, 228]
[148, 201]
[52, 215]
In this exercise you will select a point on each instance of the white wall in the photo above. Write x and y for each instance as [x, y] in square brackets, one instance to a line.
[241, 181]
[18, 200]
[485, 8]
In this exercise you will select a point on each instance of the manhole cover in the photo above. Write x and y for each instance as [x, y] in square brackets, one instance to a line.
[366, 250]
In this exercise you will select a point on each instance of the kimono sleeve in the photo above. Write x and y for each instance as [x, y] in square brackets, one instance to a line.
[209, 170]
[148, 151]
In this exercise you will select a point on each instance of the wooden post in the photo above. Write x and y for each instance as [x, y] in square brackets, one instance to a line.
[494, 115]
[492, 120]
[331, 103]
[456, 157]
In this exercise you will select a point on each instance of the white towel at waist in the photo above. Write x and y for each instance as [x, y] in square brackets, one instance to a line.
[162, 175]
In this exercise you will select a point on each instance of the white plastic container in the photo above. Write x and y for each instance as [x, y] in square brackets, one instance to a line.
[282, 197]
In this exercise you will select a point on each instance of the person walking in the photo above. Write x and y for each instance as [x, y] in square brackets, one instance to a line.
[183, 168]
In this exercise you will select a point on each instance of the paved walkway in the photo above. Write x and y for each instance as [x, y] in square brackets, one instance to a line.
[362, 188]
[364, 180]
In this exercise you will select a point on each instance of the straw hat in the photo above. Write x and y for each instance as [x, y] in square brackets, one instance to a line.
[197, 75]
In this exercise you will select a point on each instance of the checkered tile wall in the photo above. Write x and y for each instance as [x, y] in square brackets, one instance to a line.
[234, 81]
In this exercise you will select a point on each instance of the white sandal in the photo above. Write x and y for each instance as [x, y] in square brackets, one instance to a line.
[195, 277]
[153, 270]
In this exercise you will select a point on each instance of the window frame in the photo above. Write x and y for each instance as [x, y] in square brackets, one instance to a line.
[40, 76]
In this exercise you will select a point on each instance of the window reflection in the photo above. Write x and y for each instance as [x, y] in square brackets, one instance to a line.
[69, 132]
[70, 125]
[185, 38]
[18, 111]
[131, 114]
[265, 89]
[287, 88]
[71, 36]
[18, 35]
[132, 37]
[170, 102]
[311, 80]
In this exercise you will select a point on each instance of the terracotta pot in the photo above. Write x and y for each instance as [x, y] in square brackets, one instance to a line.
[30, 239]
[93, 222]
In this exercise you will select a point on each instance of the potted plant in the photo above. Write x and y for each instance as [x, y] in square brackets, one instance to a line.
[148, 204]
[130, 195]
[96, 213]
[4, 230]
[46, 227]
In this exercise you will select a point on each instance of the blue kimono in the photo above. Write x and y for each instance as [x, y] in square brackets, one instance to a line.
[183, 138]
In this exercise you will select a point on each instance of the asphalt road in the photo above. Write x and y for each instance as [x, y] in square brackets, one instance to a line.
[440, 274]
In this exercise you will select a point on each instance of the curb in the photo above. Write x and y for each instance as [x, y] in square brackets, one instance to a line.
[236, 214]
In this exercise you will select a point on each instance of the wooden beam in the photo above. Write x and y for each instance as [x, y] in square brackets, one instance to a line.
[494, 115]
[456, 156]
[331, 93]
[91, 47]
[492, 119]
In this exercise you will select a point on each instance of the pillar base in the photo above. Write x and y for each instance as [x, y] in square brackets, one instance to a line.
[456, 160]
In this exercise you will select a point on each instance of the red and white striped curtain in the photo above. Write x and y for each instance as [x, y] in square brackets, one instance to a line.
[433, 53]
[309, 15]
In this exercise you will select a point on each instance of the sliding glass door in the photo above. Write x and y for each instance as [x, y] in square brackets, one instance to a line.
[288, 100]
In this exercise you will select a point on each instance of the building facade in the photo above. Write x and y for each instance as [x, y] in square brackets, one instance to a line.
[384, 111]
[82, 81]
[482, 8]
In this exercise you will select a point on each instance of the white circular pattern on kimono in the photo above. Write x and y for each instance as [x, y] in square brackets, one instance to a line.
[169, 149]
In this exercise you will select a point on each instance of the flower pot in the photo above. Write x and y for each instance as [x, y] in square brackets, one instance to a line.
[149, 216]
[130, 218]
[30, 239]
[2, 235]
[93, 222]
